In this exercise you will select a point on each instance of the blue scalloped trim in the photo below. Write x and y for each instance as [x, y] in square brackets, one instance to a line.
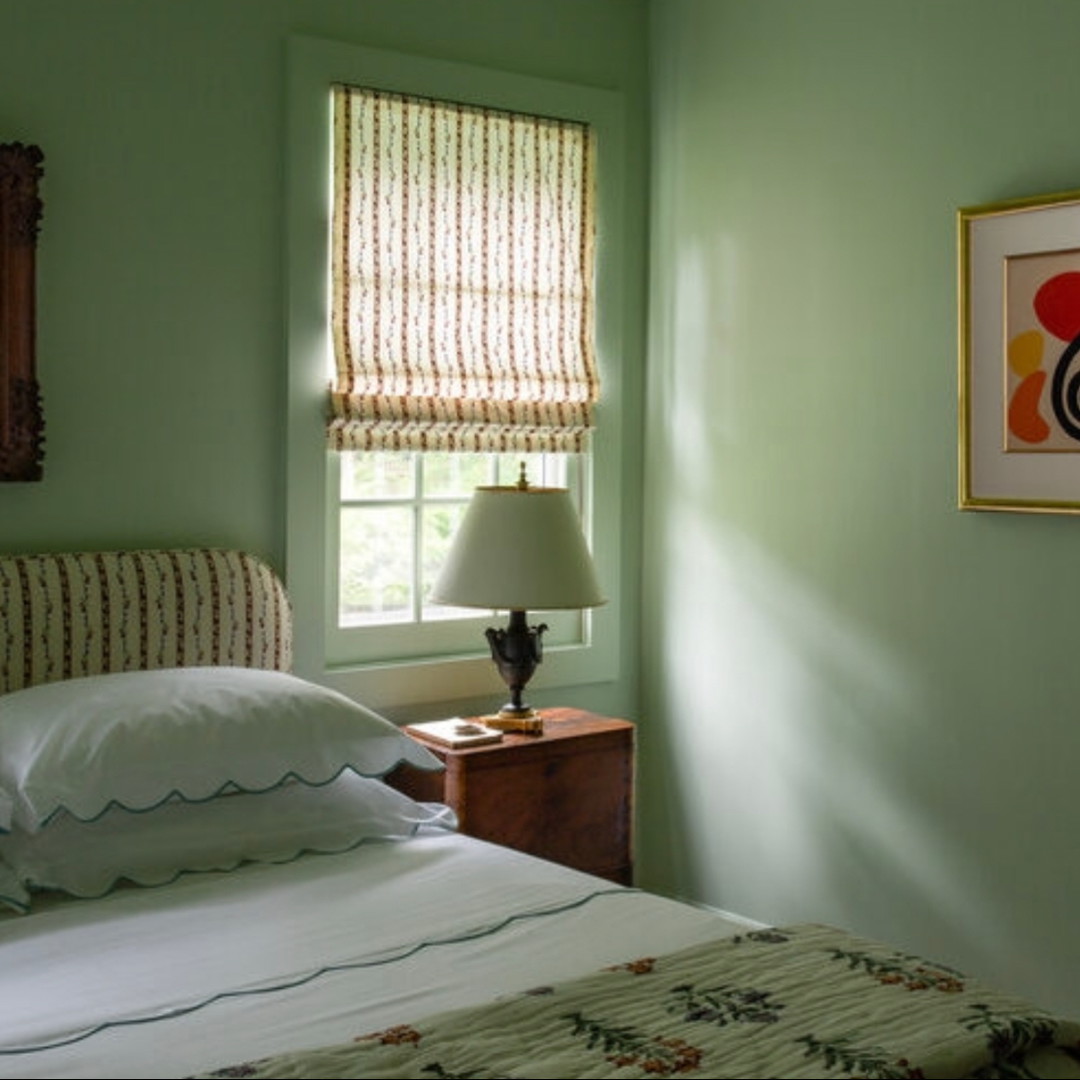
[230, 787]
[234, 866]
[302, 980]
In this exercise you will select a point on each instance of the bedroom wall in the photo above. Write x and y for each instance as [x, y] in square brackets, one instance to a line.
[859, 702]
[161, 277]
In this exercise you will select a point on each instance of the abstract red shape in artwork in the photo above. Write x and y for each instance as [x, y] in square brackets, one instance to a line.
[1057, 304]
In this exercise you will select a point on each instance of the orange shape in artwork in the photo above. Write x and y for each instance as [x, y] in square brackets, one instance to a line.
[1024, 419]
[1026, 352]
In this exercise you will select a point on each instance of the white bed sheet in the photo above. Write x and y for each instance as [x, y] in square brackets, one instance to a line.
[216, 969]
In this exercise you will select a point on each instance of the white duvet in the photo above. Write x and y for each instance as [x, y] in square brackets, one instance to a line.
[221, 968]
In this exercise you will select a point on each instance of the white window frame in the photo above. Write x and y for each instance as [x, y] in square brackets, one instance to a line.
[312, 496]
[405, 639]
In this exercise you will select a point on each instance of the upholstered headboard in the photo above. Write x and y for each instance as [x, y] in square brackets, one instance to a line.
[88, 613]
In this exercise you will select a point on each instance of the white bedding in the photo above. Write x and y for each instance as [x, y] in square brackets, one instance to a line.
[219, 968]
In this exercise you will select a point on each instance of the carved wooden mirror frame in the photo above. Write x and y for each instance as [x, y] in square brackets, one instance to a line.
[22, 427]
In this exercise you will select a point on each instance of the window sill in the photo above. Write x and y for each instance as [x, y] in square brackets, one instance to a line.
[442, 679]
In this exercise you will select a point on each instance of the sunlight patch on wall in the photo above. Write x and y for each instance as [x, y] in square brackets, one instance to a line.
[789, 724]
[702, 322]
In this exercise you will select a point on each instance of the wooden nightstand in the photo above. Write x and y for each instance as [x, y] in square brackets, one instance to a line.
[565, 795]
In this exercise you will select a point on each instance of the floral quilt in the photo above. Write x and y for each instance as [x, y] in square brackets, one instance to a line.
[800, 1001]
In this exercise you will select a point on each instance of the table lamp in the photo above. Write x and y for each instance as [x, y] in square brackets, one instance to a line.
[518, 549]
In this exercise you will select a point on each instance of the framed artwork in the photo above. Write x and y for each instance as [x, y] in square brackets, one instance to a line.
[21, 423]
[1020, 355]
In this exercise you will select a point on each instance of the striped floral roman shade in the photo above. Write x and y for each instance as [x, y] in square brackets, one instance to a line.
[462, 277]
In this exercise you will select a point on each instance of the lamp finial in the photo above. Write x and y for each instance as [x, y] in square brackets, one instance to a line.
[523, 480]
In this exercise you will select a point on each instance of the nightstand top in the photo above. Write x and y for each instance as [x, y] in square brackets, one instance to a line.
[559, 724]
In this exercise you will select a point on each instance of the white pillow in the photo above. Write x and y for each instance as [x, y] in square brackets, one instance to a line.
[135, 739]
[153, 848]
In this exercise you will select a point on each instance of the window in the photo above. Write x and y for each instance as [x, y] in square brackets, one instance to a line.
[399, 511]
[396, 515]
[462, 321]
[407, 452]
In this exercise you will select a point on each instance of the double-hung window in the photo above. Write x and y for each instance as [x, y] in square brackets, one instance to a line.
[460, 340]
[462, 319]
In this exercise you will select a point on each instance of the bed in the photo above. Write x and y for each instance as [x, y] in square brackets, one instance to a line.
[203, 873]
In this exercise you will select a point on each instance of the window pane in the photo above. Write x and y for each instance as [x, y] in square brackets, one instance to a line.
[376, 569]
[541, 470]
[440, 524]
[387, 565]
[377, 475]
[455, 475]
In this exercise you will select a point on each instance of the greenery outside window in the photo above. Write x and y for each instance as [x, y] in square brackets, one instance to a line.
[397, 516]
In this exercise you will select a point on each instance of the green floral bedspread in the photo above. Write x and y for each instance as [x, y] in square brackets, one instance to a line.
[801, 1001]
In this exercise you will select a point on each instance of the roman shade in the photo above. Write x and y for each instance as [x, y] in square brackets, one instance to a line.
[462, 277]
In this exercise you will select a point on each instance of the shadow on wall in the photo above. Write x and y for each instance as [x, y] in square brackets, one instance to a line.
[794, 749]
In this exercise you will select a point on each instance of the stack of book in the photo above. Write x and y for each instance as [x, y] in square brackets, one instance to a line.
[455, 732]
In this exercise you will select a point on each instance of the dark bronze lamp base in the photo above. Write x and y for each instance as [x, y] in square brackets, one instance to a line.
[516, 651]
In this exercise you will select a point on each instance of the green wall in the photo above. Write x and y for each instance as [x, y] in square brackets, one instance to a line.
[161, 273]
[859, 699]
[161, 280]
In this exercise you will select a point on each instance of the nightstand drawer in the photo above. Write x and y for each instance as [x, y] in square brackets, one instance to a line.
[566, 795]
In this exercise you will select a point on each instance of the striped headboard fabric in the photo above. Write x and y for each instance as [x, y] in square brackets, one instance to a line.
[69, 615]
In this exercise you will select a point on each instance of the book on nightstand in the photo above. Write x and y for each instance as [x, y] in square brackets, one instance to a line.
[456, 732]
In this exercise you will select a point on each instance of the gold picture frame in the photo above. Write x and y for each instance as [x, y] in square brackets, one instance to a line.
[1019, 394]
[22, 427]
